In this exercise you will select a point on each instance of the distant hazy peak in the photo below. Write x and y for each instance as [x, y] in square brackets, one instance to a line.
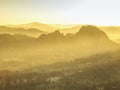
[90, 28]
[36, 23]
[90, 32]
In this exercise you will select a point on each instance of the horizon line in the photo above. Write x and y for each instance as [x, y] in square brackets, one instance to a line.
[70, 24]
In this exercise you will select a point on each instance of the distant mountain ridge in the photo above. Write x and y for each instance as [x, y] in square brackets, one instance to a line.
[112, 31]
[13, 30]
[42, 26]
[87, 36]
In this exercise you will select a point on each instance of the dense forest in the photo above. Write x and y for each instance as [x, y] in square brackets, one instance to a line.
[97, 72]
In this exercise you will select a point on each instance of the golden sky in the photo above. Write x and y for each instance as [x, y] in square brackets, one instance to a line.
[99, 12]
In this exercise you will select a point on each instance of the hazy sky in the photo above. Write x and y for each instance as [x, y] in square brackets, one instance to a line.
[99, 12]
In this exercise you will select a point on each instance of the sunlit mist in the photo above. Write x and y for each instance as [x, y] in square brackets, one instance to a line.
[59, 45]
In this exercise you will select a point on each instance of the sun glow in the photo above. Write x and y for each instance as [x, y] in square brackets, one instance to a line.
[60, 12]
